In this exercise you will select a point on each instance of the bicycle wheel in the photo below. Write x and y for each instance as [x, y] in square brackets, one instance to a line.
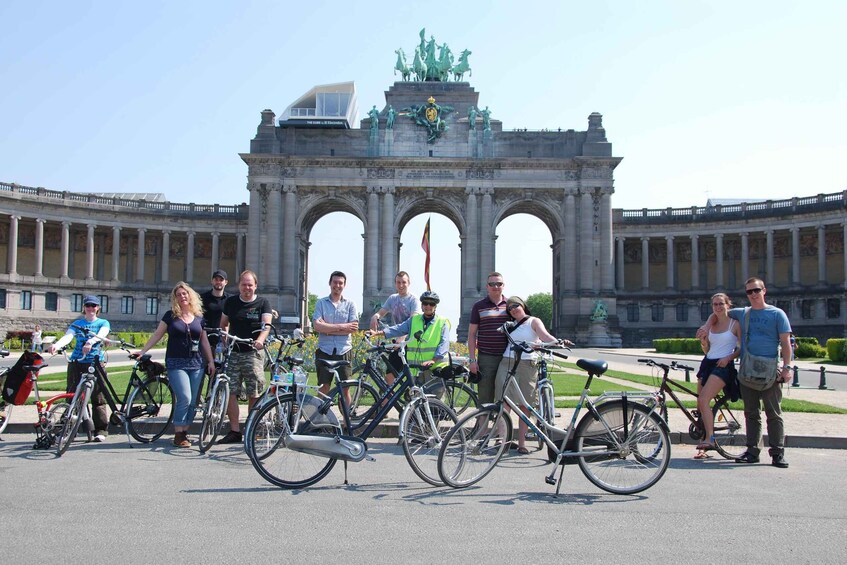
[472, 448]
[73, 417]
[630, 454]
[265, 441]
[55, 416]
[362, 399]
[150, 409]
[730, 436]
[421, 441]
[547, 408]
[5, 416]
[459, 396]
[213, 415]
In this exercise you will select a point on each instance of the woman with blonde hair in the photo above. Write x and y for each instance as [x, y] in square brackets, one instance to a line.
[187, 353]
[717, 369]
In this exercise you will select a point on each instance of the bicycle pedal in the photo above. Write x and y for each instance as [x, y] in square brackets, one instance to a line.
[550, 480]
[370, 458]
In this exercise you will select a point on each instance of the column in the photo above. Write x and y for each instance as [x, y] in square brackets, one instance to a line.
[89, 253]
[12, 255]
[273, 231]
[844, 245]
[719, 261]
[769, 272]
[215, 251]
[239, 253]
[795, 256]
[166, 255]
[116, 253]
[645, 263]
[139, 265]
[670, 261]
[695, 261]
[607, 265]
[189, 258]
[254, 228]
[387, 240]
[290, 243]
[39, 247]
[486, 235]
[821, 254]
[470, 244]
[371, 275]
[745, 256]
[619, 262]
[586, 240]
[569, 258]
[66, 238]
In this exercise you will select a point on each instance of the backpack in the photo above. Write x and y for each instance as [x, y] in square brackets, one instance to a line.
[18, 383]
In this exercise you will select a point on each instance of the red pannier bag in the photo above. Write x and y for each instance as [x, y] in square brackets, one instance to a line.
[18, 383]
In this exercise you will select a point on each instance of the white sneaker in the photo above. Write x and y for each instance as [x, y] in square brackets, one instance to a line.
[99, 438]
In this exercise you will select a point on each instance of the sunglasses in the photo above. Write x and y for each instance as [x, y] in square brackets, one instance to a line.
[495, 284]
[91, 306]
[756, 290]
[433, 304]
[513, 306]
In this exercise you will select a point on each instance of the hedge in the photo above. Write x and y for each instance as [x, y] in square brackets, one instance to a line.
[678, 345]
[836, 349]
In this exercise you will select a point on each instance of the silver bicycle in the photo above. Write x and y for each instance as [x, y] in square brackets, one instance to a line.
[621, 446]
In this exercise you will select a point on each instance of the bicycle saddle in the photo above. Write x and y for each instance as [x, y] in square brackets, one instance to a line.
[594, 367]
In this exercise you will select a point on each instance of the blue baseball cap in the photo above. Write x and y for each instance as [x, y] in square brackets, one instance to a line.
[91, 299]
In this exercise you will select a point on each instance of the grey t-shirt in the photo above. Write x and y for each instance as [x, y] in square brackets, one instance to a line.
[401, 308]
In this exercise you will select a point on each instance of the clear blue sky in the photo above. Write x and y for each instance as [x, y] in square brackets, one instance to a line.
[701, 99]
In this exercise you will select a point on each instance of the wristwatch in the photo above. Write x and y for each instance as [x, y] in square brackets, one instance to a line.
[786, 366]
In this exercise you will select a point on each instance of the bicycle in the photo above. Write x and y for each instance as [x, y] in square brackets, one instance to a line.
[217, 400]
[730, 439]
[49, 412]
[453, 391]
[297, 440]
[621, 446]
[143, 411]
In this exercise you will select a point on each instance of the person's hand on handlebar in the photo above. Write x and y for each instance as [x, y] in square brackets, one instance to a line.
[374, 333]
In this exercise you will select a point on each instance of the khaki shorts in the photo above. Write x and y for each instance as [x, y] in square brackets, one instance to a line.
[526, 375]
[246, 372]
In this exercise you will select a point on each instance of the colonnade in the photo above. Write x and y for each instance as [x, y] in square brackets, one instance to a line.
[792, 274]
[127, 268]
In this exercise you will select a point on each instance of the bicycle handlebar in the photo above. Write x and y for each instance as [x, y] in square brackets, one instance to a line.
[673, 365]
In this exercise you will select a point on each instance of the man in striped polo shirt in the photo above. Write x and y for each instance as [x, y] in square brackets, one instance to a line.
[486, 344]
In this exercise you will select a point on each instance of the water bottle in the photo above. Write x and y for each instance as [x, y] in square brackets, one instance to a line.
[219, 353]
[276, 378]
[300, 376]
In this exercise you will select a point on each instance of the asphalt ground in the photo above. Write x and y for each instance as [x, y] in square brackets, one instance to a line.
[102, 503]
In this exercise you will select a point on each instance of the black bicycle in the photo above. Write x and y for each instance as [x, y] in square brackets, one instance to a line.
[145, 408]
[369, 382]
[295, 440]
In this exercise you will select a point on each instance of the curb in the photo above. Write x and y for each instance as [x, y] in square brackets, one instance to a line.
[389, 430]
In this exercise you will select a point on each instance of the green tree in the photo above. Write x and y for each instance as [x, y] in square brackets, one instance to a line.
[541, 306]
[313, 299]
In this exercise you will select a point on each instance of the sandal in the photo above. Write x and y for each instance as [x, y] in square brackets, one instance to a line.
[702, 455]
[523, 451]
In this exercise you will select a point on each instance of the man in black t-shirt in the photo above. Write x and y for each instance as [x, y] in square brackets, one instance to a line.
[213, 303]
[243, 315]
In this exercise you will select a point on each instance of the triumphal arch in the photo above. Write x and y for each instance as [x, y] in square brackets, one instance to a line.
[432, 148]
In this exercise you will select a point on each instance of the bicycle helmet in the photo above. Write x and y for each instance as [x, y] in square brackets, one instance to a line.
[430, 296]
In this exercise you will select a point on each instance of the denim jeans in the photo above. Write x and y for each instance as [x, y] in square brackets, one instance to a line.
[186, 386]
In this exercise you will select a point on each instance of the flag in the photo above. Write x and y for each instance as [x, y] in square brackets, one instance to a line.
[425, 246]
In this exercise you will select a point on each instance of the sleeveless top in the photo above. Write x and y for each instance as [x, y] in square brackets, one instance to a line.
[523, 332]
[722, 344]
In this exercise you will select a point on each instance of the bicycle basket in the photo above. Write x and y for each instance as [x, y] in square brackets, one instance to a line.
[18, 384]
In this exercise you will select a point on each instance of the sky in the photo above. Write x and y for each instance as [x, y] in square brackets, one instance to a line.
[701, 99]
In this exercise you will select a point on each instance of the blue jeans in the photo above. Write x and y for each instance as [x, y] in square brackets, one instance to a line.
[186, 386]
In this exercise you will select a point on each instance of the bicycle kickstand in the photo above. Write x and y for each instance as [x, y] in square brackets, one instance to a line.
[126, 431]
